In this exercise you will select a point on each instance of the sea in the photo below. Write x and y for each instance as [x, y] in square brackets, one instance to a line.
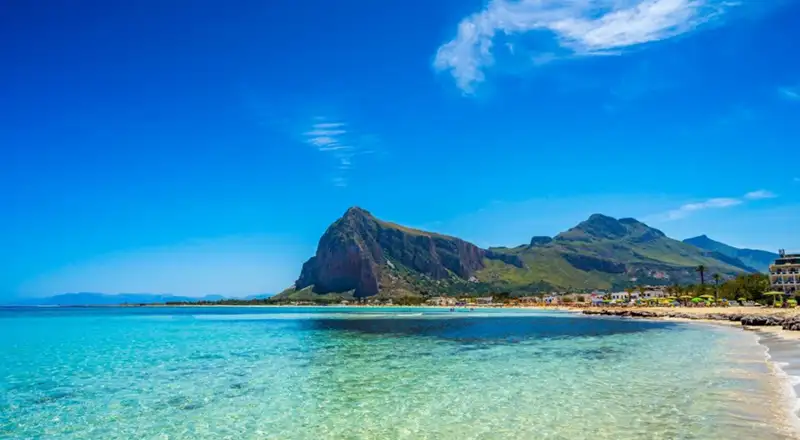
[385, 373]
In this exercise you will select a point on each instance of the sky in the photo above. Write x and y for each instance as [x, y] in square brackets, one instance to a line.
[203, 147]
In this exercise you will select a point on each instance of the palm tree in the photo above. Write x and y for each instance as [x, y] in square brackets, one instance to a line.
[641, 290]
[716, 277]
[702, 270]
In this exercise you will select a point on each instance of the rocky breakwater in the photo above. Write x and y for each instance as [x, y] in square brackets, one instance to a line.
[788, 320]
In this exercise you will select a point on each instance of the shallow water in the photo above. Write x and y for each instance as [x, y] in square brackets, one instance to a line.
[303, 373]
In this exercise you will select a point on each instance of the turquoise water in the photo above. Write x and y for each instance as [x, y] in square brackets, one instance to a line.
[303, 373]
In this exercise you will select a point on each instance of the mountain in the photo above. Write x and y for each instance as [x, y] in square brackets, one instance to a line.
[760, 260]
[100, 299]
[360, 255]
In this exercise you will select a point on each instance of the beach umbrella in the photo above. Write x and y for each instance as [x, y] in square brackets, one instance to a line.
[706, 296]
[741, 299]
[774, 295]
[671, 298]
[685, 297]
[697, 300]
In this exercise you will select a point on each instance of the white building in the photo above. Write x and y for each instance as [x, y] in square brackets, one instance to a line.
[784, 273]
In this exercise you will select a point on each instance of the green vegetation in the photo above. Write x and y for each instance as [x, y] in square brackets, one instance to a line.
[751, 287]
[604, 253]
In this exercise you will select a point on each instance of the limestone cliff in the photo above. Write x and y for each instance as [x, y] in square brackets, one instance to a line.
[358, 252]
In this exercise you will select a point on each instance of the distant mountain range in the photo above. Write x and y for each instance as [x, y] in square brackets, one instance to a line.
[360, 255]
[760, 260]
[100, 299]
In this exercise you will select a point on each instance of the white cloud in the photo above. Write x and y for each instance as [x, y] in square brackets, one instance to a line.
[343, 145]
[580, 27]
[760, 194]
[325, 132]
[336, 148]
[790, 93]
[714, 203]
[322, 141]
[690, 208]
[328, 125]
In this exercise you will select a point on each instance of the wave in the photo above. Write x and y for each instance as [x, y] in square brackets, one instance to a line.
[780, 368]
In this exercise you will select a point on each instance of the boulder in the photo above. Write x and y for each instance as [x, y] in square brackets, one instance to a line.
[762, 320]
[792, 323]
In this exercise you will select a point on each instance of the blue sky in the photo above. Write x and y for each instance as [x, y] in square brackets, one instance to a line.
[203, 147]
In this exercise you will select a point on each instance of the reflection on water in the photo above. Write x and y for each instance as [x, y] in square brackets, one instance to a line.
[121, 373]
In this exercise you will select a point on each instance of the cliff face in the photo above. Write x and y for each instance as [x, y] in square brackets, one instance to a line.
[358, 250]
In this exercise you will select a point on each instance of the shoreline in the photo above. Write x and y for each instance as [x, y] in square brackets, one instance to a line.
[764, 323]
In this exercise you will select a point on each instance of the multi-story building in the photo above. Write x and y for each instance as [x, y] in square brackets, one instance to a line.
[784, 273]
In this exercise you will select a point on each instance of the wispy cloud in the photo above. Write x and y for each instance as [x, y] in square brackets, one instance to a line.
[790, 93]
[715, 203]
[760, 194]
[689, 208]
[578, 27]
[336, 139]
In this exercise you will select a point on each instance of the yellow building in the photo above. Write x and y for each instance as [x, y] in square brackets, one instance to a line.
[784, 274]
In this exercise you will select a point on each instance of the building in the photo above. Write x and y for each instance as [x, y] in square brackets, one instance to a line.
[784, 273]
[653, 292]
[619, 296]
[650, 292]
[441, 301]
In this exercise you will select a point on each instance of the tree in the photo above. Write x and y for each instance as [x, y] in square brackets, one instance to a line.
[702, 270]
[717, 277]
[748, 286]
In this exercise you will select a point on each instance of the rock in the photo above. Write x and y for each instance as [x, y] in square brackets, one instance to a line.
[762, 320]
[722, 317]
[589, 263]
[352, 252]
[513, 260]
[540, 240]
[792, 323]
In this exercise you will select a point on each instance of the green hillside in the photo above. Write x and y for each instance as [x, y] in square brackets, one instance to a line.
[603, 252]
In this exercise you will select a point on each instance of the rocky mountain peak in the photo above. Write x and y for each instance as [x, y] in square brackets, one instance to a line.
[603, 227]
[540, 240]
[355, 211]
[597, 226]
[358, 252]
